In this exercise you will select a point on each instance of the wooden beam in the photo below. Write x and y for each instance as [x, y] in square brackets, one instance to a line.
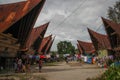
[113, 33]
[13, 46]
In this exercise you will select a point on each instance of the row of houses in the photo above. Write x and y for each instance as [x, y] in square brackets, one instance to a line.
[17, 33]
[102, 45]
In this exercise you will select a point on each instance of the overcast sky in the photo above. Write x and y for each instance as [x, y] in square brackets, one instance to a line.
[69, 19]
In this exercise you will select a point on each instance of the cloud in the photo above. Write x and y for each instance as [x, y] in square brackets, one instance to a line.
[69, 23]
[10, 1]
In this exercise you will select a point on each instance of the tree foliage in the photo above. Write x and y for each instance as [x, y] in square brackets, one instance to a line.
[114, 12]
[65, 47]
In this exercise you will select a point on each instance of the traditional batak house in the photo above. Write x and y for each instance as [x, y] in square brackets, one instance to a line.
[44, 44]
[49, 45]
[79, 49]
[79, 52]
[22, 21]
[8, 49]
[16, 23]
[36, 36]
[86, 47]
[101, 43]
[113, 31]
[87, 50]
[47, 50]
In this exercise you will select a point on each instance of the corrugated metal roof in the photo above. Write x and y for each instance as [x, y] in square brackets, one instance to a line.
[100, 41]
[86, 47]
[36, 32]
[21, 19]
[113, 25]
[79, 48]
[44, 42]
[49, 45]
[11, 13]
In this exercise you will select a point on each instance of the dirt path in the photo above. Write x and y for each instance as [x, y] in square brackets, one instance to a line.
[70, 72]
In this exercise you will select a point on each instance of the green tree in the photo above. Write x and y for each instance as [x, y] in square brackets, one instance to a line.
[114, 12]
[65, 47]
[53, 52]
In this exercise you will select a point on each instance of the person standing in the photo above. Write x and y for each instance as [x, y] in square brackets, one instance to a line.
[66, 59]
[16, 65]
[40, 64]
[27, 64]
[19, 65]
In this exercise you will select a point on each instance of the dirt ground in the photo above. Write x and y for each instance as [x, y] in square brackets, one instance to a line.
[61, 71]
[71, 71]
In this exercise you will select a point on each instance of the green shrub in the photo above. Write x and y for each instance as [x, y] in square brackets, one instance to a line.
[109, 62]
[113, 73]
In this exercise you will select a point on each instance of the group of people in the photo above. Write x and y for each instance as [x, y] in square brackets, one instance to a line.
[21, 65]
[104, 61]
[72, 58]
[24, 64]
